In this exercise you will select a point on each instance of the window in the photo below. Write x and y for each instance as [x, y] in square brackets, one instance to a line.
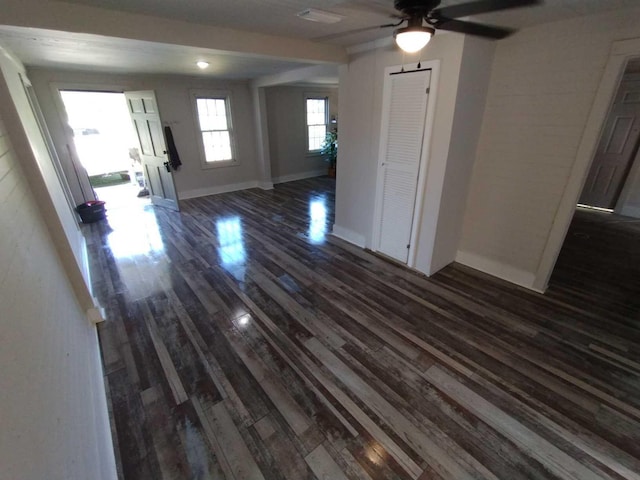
[317, 114]
[214, 121]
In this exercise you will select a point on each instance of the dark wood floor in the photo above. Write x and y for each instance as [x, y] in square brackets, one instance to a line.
[242, 342]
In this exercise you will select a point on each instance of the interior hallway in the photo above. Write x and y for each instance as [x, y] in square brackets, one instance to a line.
[600, 264]
[244, 342]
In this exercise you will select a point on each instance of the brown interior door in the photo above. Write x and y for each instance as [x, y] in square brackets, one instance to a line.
[616, 150]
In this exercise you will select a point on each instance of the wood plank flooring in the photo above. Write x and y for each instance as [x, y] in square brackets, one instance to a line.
[244, 342]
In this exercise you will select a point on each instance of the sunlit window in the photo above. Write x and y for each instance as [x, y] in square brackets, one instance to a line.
[317, 114]
[214, 121]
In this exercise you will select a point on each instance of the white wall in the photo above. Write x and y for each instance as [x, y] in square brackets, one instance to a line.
[52, 402]
[287, 131]
[28, 141]
[543, 83]
[174, 102]
[449, 165]
[450, 178]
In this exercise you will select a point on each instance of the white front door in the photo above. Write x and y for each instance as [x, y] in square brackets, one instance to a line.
[143, 110]
[616, 149]
[404, 111]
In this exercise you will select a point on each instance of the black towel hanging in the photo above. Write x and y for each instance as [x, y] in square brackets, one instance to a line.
[172, 151]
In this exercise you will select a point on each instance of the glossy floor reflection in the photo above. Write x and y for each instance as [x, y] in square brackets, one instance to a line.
[134, 233]
[318, 219]
[231, 250]
[245, 342]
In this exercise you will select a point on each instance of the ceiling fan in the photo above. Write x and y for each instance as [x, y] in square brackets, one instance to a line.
[423, 18]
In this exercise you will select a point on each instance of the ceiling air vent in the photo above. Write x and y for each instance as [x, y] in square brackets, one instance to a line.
[321, 16]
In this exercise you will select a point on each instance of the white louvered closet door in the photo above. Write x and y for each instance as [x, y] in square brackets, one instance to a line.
[404, 113]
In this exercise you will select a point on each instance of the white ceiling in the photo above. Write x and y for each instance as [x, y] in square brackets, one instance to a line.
[277, 17]
[77, 51]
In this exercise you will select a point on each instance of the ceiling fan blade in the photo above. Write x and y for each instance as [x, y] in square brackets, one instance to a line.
[333, 36]
[472, 28]
[480, 6]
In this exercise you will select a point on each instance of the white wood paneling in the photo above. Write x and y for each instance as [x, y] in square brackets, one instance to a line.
[543, 86]
[53, 416]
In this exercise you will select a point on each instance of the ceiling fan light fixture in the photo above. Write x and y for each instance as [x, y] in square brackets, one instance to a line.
[412, 39]
[202, 64]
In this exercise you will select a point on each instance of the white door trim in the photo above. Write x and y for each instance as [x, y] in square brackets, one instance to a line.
[434, 66]
[620, 54]
[632, 178]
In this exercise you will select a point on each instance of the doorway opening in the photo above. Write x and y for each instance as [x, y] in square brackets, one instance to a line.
[403, 155]
[107, 146]
[595, 260]
[611, 184]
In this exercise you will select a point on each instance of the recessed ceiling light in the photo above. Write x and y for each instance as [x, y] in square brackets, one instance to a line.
[202, 64]
[321, 16]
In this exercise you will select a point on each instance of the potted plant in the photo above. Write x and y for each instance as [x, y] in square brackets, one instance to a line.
[329, 150]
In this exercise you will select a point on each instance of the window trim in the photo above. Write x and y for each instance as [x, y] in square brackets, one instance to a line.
[315, 96]
[214, 95]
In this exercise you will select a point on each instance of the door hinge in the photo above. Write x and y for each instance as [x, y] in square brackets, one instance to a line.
[408, 246]
[428, 90]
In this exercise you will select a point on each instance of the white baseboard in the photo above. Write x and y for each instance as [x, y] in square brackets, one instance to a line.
[348, 236]
[203, 192]
[299, 176]
[505, 272]
[234, 187]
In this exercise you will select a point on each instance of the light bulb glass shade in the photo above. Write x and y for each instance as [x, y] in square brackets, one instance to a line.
[413, 39]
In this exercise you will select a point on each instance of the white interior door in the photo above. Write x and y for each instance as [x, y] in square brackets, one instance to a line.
[143, 110]
[404, 109]
[616, 149]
